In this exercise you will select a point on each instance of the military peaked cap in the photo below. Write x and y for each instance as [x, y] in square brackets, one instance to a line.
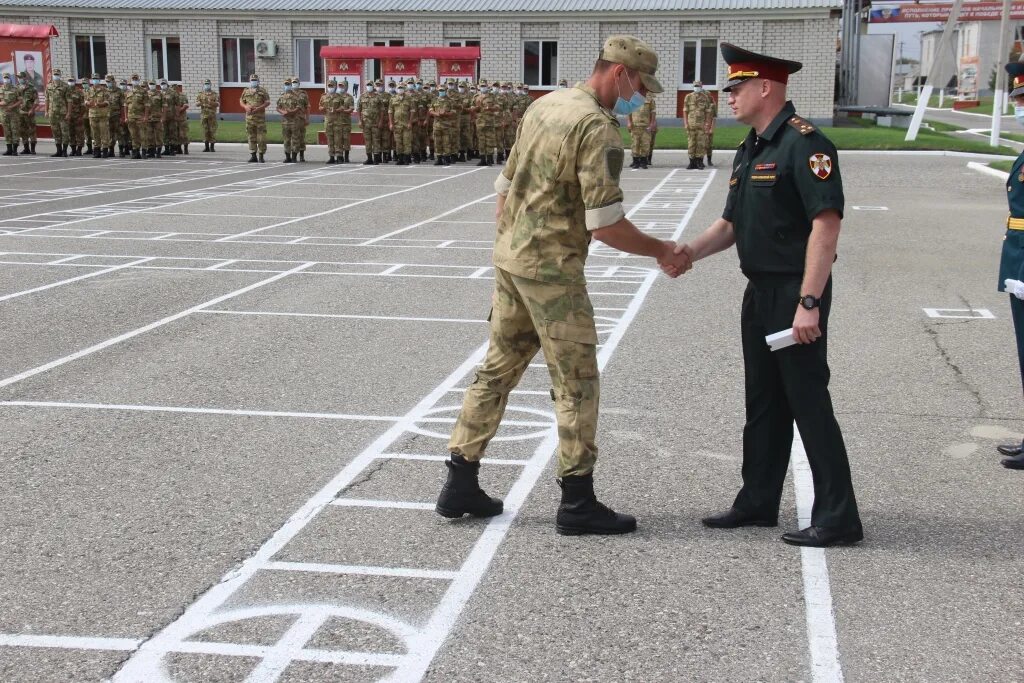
[744, 65]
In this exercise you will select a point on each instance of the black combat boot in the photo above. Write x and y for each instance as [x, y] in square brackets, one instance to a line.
[14, 149]
[644, 162]
[88, 147]
[330, 160]
[369, 160]
[136, 154]
[440, 160]
[302, 156]
[462, 495]
[26, 150]
[97, 153]
[206, 146]
[501, 156]
[490, 160]
[636, 162]
[580, 512]
[184, 148]
[709, 160]
[693, 165]
[430, 157]
[8, 153]
[462, 155]
[213, 146]
[262, 159]
[252, 157]
[33, 147]
[287, 158]
[483, 160]
[700, 163]
[56, 152]
[378, 159]
[346, 156]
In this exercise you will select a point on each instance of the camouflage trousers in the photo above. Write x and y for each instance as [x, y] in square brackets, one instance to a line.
[641, 142]
[290, 136]
[76, 132]
[419, 138]
[696, 141]
[371, 137]
[27, 127]
[256, 132]
[115, 130]
[137, 134]
[527, 316]
[465, 133]
[154, 133]
[508, 134]
[338, 135]
[403, 139]
[11, 121]
[183, 134]
[444, 139]
[59, 126]
[170, 132]
[100, 127]
[710, 143]
[300, 135]
[209, 123]
[487, 137]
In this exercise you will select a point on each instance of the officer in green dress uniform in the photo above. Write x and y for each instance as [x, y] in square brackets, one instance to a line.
[1011, 263]
[783, 213]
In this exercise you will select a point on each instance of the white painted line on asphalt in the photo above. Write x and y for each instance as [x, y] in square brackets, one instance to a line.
[821, 622]
[146, 328]
[346, 316]
[429, 220]
[525, 392]
[149, 212]
[870, 208]
[968, 313]
[198, 411]
[98, 273]
[345, 206]
[319, 568]
[988, 170]
[388, 504]
[298, 634]
[443, 458]
[70, 642]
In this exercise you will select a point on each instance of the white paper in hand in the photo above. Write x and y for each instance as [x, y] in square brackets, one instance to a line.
[780, 340]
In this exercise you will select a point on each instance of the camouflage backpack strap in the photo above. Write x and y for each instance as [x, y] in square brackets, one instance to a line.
[803, 126]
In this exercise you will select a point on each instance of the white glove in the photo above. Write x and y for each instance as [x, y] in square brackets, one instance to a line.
[1014, 287]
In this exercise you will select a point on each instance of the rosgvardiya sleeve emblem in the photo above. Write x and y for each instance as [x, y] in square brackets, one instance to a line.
[821, 165]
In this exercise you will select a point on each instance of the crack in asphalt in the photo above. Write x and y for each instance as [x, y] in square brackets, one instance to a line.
[958, 373]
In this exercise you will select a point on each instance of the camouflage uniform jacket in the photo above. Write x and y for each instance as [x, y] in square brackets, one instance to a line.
[439, 108]
[369, 108]
[156, 105]
[486, 107]
[76, 103]
[11, 94]
[209, 103]
[29, 99]
[696, 107]
[57, 99]
[255, 97]
[116, 102]
[643, 116]
[99, 103]
[290, 100]
[560, 182]
[331, 106]
[136, 102]
[401, 110]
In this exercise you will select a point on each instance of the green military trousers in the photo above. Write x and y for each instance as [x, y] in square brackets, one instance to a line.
[527, 316]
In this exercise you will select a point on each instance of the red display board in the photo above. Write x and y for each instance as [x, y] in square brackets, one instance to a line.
[456, 68]
[26, 47]
[939, 12]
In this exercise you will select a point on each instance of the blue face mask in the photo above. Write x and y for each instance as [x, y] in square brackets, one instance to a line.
[442, 93]
[1018, 113]
[624, 108]
[332, 90]
[287, 88]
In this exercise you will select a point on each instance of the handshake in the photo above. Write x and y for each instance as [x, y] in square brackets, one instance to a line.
[675, 259]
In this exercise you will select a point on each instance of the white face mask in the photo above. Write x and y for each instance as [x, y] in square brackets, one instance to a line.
[369, 88]
[152, 87]
[332, 90]
[135, 82]
[254, 84]
[1018, 113]
[207, 86]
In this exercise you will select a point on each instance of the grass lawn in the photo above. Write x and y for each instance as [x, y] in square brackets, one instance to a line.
[947, 103]
[1003, 166]
[865, 136]
[234, 131]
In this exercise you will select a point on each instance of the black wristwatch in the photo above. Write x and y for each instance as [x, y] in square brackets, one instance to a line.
[809, 301]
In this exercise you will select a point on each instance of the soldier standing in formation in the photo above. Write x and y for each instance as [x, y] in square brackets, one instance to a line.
[136, 108]
[27, 122]
[302, 122]
[400, 118]
[696, 113]
[114, 110]
[57, 112]
[331, 104]
[712, 114]
[444, 113]
[181, 120]
[369, 110]
[642, 124]
[97, 100]
[209, 107]
[289, 106]
[10, 103]
[485, 108]
[170, 118]
[155, 121]
[77, 116]
[255, 100]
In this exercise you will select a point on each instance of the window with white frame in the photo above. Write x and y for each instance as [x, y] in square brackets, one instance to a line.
[376, 65]
[540, 63]
[699, 62]
[164, 58]
[238, 59]
[308, 64]
[90, 56]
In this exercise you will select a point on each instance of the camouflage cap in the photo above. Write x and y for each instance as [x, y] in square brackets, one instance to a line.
[483, 83]
[96, 76]
[635, 54]
[698, 84]
[333, 81]
[287, 81]
[207, 82]
[391, 83]
[254, 77]
[379, 83]
[151, 82]
[56, 73]
[111, 77]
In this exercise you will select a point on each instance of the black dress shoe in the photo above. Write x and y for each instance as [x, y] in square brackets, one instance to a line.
[1010, 449]
[733, 518]
[1014, 463]
[823, 537]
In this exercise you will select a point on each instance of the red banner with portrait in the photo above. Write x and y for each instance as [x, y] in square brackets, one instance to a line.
[26, 47]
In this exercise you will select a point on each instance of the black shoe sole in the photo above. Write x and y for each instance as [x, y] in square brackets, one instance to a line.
[845, 540]
[583, 531]
[450, 513]
[754, 522]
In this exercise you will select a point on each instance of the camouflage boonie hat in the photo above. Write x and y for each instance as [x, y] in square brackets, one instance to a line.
[635, 54]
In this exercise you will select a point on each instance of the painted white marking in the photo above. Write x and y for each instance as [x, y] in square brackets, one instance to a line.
[387, 504]
[344, 206]
[319, 568]
[442, 458]
[870, 208]
[988, 170]
[975, 313]
[347, 316]
[198, 411]
[146, 328]
[70, 642]
[300, 633]
[429, 220]
[98, 273]
[821, 623]
[391, 269]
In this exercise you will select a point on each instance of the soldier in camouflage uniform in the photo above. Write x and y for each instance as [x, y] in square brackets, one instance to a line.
[114, 111]
[155, 122]
[181, 119]
[474, 145]
[369, 117]
[522, 103]
[209, 107]
[465, 140]
[303, 121]
[289, 106]
[508, 120]
[400, 115]
[10, 104]
[559, 190]
[255, 100]
[709, 129]
[27, 123]
[695, 119]
[170, 102]
[387, 143]
[330, 105]
[124, 138]
[98, 103]
[136, 107]
[443, 112]
[642, 124]
[57, 112]
[485, 108]
[76, 117]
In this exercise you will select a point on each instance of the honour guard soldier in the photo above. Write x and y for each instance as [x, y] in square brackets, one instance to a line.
[783, 213]
[57, 112]
[209, 107]
[255, 100]
[1011, 263]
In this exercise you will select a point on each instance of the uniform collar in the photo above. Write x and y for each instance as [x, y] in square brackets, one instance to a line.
[788, 110]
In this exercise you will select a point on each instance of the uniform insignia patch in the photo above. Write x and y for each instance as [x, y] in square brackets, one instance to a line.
[821, 165]
[1021, 176]
[614, 158]
[765, 167]
[734, 181]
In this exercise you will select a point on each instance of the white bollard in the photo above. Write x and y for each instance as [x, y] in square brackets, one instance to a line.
[942, 97]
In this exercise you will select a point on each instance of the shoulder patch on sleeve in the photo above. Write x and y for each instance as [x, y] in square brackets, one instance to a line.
[804, 126]
[615, 157]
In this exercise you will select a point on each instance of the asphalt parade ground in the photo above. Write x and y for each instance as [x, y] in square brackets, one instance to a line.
[226, 389]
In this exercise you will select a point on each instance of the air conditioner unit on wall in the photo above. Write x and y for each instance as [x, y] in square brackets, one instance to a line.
[266, 48]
